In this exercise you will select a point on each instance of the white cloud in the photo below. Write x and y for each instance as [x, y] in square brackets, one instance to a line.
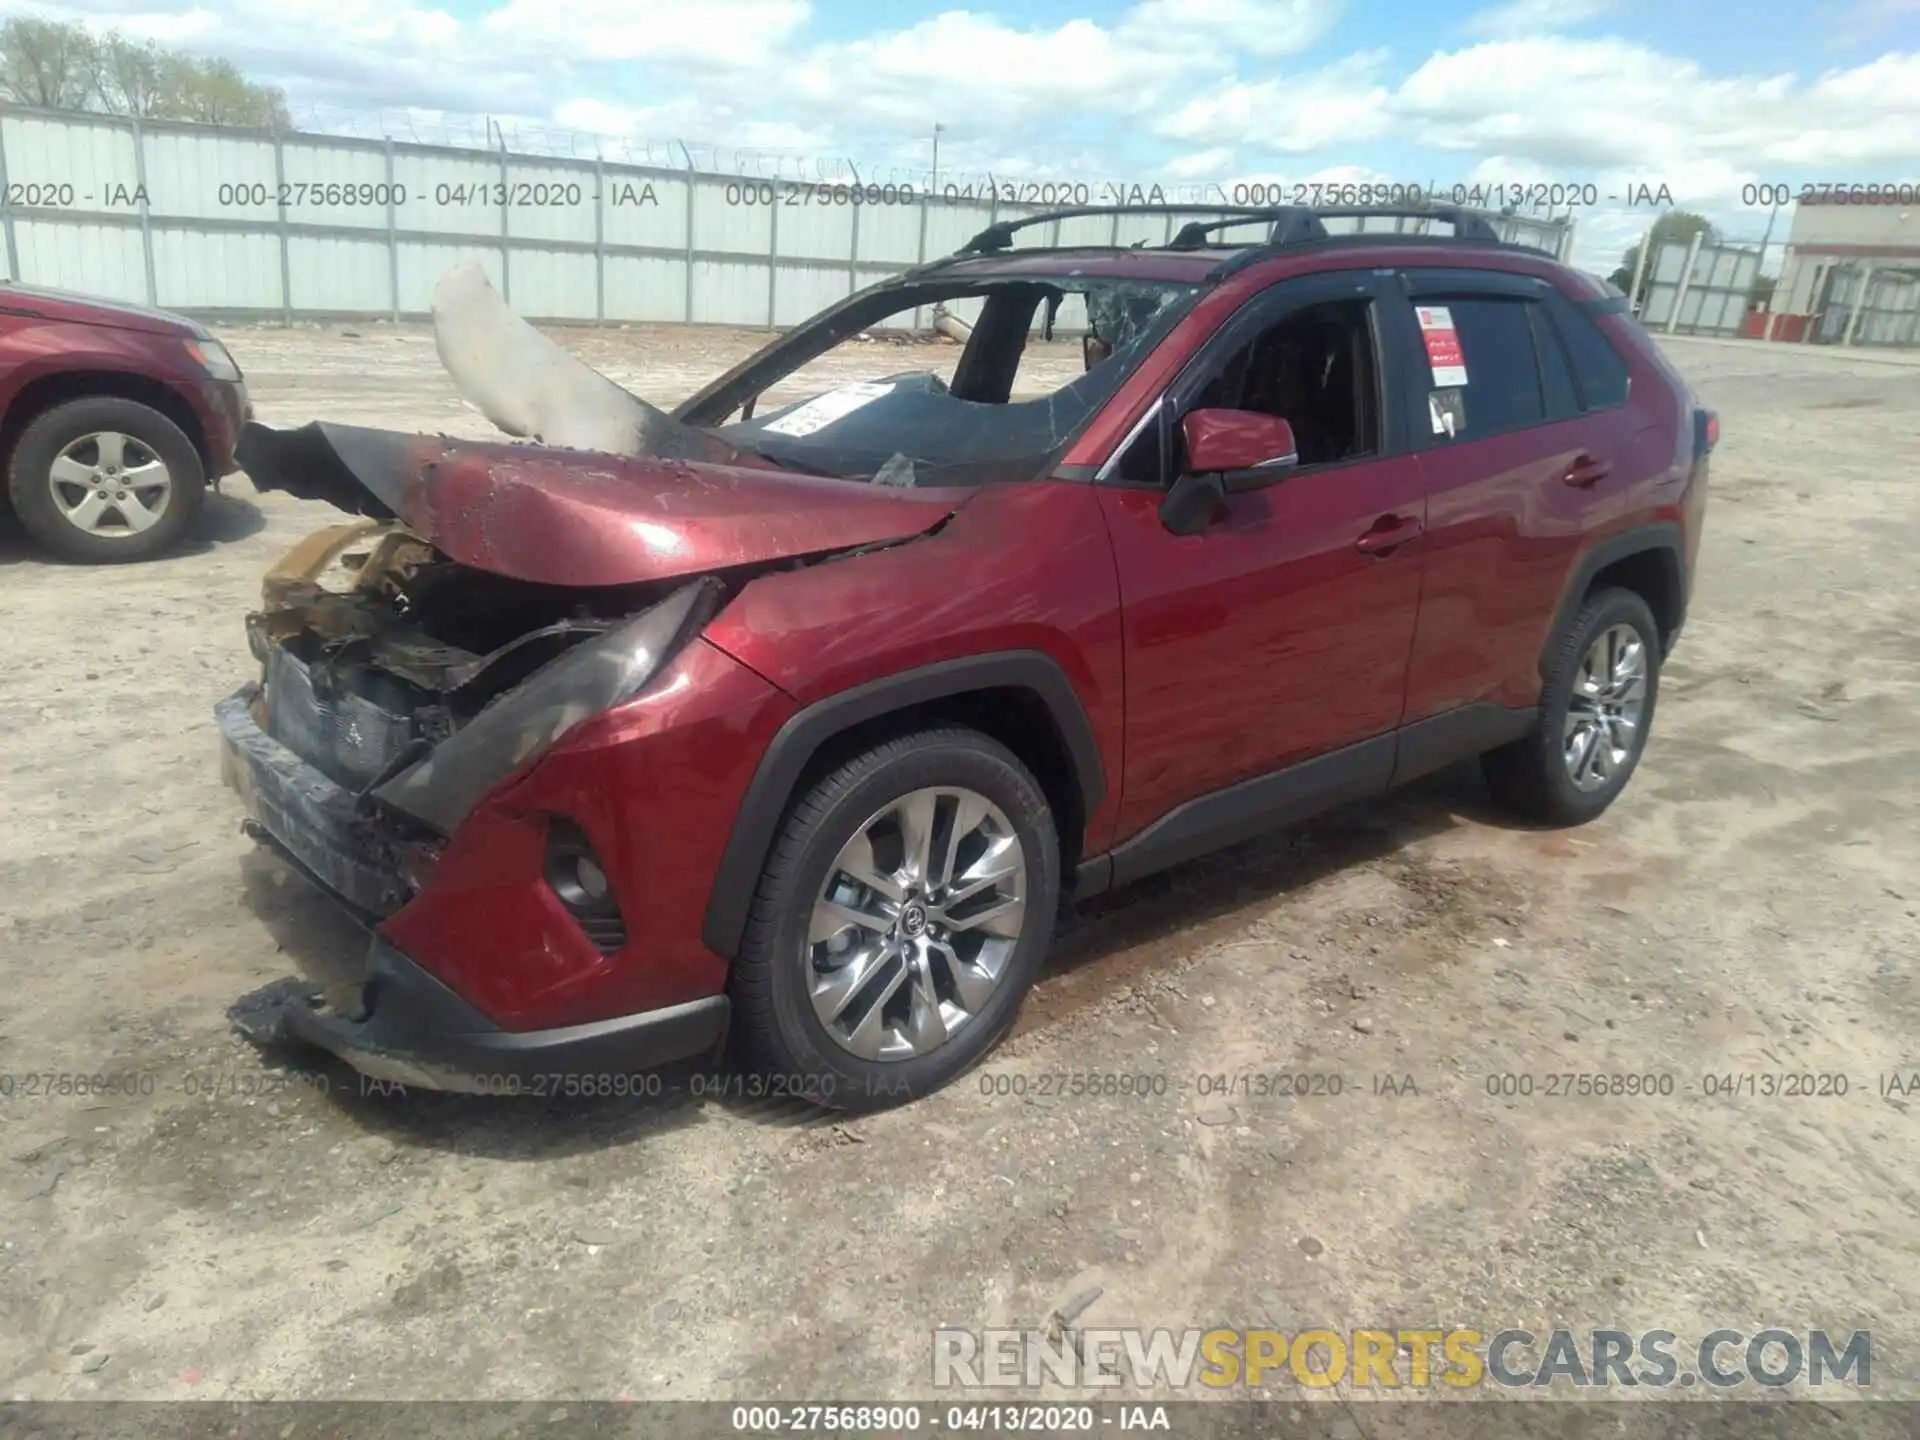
[1263, 28]
[1186, 89]
[1589, 105]
[182, 28]
[1201, 165]
[1342, 104]
[973, 65]
[1868, 20]
[722, 30]
[1537, 17]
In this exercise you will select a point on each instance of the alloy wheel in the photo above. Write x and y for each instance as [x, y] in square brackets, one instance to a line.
[1603, 712]
[110, 484]
[916, 923]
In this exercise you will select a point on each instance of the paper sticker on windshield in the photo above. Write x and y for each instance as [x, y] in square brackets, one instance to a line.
[823, 410]
[1443, 345]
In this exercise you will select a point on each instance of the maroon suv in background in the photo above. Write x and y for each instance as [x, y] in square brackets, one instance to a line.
[797, 726]
[113, 418]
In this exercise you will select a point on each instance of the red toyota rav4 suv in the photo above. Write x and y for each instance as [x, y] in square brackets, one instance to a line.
[796, 727]
[115, 418]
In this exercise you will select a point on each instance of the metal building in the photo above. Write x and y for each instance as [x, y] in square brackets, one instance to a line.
[1851, 275]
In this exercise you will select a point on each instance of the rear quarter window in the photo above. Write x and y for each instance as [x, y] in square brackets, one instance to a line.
[1598, 369]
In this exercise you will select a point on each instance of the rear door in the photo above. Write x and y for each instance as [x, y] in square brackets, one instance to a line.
[1517, 474]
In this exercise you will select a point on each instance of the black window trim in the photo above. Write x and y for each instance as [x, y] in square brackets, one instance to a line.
[1264, 308]
[1608, 305]
[1546, 333]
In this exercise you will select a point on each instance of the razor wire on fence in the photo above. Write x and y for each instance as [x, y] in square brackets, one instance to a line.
[362, 217]
[533, 137]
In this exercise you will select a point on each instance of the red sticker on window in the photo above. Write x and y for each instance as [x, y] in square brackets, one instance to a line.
[1443, 345]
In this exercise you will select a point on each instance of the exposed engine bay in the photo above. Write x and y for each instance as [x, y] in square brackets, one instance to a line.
[374, 644]
[393, 673]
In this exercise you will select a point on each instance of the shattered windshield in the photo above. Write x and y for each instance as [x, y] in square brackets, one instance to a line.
[940, 382]
[987, 384]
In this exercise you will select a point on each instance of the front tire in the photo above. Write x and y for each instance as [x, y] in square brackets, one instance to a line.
[905, 908]
[1596, 710]
[104, 479]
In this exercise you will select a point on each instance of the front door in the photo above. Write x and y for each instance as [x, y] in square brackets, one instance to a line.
[1280, 632]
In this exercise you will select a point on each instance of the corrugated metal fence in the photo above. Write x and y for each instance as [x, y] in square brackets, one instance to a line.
[1863, 304]
[231, 223]
[1700, 289]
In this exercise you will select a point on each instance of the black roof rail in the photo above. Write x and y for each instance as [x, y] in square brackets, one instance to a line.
[1291, 225]
[999, 235]
[1467, 224]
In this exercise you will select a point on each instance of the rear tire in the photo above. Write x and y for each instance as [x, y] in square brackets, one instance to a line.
[1593, 727]
[128, 482]
[857, 996]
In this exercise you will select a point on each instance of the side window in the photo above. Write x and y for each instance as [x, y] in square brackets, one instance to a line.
[1495, 348]
[1556, 375]
[1315, 368]
[1597, 366]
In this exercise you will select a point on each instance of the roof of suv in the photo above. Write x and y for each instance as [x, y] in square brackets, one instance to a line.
[1175, 266]
[1195, 256]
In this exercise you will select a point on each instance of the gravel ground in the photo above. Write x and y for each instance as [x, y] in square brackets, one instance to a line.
[1748, 908]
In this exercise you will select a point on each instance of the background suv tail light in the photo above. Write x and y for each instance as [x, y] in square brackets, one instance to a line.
[1706, 432]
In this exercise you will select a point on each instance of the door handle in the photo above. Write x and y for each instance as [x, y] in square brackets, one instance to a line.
[1586, 470]
[1388, 534]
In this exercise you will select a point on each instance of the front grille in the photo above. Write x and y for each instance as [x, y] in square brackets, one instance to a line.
[346, 735]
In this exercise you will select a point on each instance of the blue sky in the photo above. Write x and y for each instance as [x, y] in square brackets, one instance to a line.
[1702, 96]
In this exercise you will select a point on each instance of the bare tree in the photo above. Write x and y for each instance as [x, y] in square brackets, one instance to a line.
[64, 66]
[214, 92]
[127, 75]
[46, 63]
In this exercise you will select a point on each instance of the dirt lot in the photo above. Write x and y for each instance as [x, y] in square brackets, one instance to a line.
[1749, 908]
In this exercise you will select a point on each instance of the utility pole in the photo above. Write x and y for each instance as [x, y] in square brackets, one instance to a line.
[934, 185]
[1640, 268]
[1767, 238]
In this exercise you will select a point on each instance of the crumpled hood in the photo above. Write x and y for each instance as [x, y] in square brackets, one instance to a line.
[579, 517]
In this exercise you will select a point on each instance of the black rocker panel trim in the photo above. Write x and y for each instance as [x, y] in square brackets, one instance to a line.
[801, 737]
[1267, 802]
[1253, 807]
[1439, 740]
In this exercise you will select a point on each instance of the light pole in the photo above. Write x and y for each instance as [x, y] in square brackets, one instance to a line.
[934, 184]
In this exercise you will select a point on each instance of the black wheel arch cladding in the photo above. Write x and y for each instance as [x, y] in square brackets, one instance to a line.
[793, 748]
[1660, 541]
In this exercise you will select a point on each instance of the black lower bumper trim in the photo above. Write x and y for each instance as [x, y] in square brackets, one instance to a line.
[414, 1030]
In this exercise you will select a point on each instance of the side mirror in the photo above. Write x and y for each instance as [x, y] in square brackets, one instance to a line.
[1245, 448]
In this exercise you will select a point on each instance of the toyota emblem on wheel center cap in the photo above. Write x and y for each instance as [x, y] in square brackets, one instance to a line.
[913, 921]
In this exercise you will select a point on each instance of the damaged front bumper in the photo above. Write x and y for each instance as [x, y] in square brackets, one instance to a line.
[305, 815]
[411, 1028]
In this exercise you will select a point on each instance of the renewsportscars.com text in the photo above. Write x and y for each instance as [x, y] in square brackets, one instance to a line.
[1457, 1358]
